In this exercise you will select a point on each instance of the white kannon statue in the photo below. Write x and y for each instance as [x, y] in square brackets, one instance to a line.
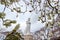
[27, 31]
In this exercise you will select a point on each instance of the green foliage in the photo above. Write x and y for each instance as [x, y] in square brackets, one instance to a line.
[49, 17]
[58, 24]
[17, 27]
[13, 21]
[8, 1]
[39, 18]
[3, 1]
[14, 35]
[46, 24]
[18, 9]
[8, 22]
[12, 1]
[2, 14]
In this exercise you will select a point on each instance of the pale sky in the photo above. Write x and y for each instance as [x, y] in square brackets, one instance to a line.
[35, 25]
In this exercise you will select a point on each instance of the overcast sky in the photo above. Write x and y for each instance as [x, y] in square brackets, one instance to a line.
[22, 18]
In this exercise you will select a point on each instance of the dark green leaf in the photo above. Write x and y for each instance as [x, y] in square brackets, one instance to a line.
[17, 27]
[2, 15]
[13, 21]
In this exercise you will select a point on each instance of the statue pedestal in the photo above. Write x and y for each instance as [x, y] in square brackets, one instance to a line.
[28, 37]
